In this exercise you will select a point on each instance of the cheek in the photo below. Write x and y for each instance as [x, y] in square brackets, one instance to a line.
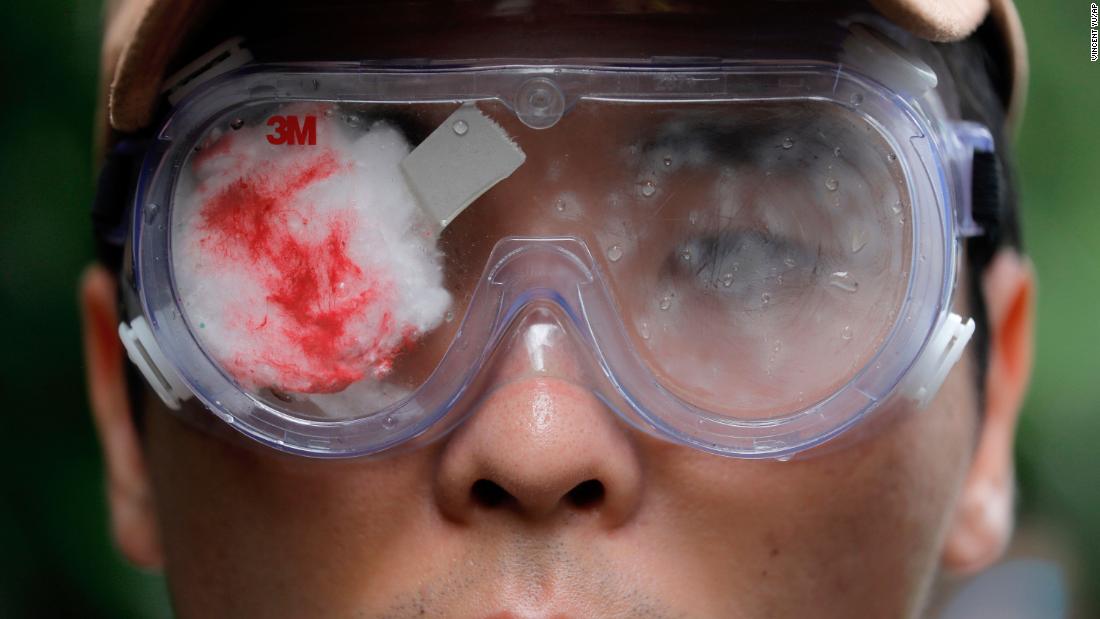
[859, 528]
[237, 520]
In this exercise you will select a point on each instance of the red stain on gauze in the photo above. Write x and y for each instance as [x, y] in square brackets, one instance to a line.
[303, 282]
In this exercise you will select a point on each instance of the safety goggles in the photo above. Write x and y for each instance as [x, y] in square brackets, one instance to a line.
[746, 257]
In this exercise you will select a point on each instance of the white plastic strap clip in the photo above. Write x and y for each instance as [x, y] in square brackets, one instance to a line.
[940, 355]
[147, 356]
[224, 58]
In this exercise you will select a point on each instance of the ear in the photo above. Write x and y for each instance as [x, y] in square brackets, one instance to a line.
[983, 517]
[129, 497]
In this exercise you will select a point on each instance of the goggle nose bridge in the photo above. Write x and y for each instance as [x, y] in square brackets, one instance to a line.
[522, 273]
[525, 271]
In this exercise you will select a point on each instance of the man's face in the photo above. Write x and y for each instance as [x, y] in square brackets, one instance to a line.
[671, 532]
[543, 503]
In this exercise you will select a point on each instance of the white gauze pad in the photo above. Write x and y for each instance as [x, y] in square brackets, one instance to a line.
[305, 268]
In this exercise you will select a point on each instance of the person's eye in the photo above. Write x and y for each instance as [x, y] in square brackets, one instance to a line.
[749, 267]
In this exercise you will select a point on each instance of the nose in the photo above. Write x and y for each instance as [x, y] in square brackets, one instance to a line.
[539, 445]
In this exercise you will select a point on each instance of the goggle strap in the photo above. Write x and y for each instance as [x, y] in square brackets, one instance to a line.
[987, 190]
[114, 191]
[145, 353]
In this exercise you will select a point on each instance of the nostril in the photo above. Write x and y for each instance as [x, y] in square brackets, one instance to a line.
[586, 494]
[489, 494]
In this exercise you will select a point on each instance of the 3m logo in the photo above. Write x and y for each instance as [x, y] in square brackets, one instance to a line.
[287, 130]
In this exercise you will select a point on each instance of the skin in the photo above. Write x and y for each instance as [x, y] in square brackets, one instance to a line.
[858, 530]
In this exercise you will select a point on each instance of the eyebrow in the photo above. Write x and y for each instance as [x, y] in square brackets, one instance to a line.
[728, 140]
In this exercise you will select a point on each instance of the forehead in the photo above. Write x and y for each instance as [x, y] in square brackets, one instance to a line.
[526, 29]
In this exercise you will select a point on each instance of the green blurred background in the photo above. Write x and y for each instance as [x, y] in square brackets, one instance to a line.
[56, 557]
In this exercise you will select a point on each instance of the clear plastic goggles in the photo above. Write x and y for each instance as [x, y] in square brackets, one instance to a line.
[748, 258]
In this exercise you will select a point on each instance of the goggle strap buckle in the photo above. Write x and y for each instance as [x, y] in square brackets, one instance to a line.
[145, 353]
[940, 355]
[230, 54]
[974, 139]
